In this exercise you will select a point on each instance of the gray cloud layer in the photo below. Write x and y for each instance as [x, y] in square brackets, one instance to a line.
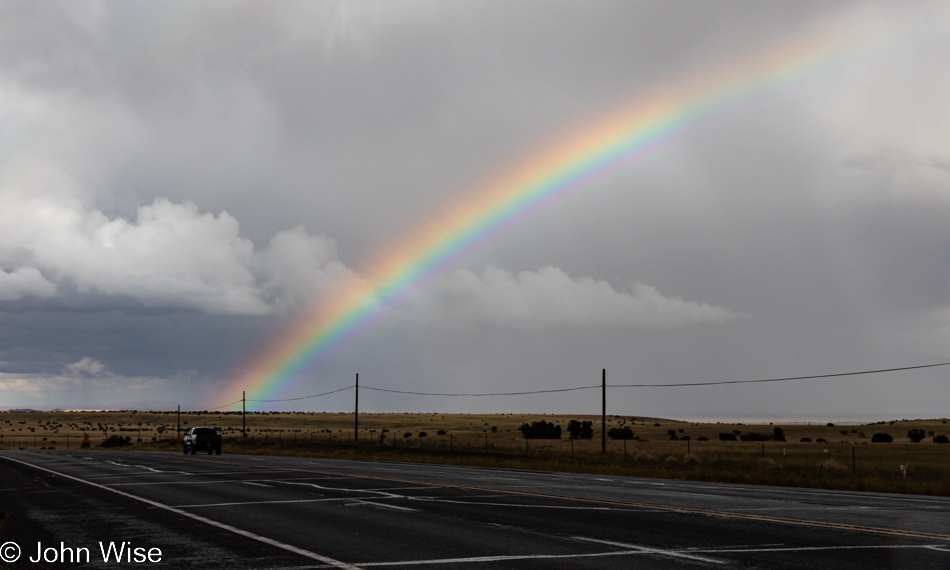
[179, 181]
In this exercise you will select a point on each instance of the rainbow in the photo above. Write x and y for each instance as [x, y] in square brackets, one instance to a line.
[587, 154]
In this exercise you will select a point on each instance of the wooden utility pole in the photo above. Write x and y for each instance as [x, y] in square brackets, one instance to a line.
[356, 409]
[243, 413]
[178, 429]
[603, 412]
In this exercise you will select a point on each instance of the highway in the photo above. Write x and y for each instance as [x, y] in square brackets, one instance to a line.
[233, 512]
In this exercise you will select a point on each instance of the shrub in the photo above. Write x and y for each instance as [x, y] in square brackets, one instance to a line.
[833, 467]
[821, 440]
[440, 432]
[658, 425]
[778, 434]
[941, 439]
[644, 456]
[881, 438]
[830, 424]
[620, 433]
[494, 429]
[766, 464]
[727, 436]
[542, 430]
[673, 437]
[805, 440]
[580, 430]
[755, 436]
[117, 441]
[916, 435]
[690, 459]
[671, 461]
[423, 434]
[702, 438]
[407, 434]
[671, 432]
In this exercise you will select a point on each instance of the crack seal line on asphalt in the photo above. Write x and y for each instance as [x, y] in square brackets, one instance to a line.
[312, 555]
[668, 508]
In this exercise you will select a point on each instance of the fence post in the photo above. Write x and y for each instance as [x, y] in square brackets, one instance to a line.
[603, 411]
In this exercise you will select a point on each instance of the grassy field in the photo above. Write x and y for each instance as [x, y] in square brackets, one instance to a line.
[837, 457]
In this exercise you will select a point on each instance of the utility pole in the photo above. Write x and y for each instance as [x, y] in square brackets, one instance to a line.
[178, 429]
[356, 408]
[603, 412]
[243, 413]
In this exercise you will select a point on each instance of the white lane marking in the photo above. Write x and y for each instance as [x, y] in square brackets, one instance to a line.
[817, 548]
[522, 505]
[383, 505]
[385, 494]
[499, 558]
[937, 548]
[647, 549]
[242, 503]
[255, 484]
[313, 555]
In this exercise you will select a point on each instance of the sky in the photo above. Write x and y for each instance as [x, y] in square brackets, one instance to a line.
[181, 183]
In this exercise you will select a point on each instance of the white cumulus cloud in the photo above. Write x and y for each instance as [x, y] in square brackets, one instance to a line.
[23, 282]
[170, 255]
[549, 296]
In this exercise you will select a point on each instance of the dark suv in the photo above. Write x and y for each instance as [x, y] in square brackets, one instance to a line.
[204, 438]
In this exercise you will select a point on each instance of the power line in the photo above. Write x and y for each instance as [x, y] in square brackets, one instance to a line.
[484, 394]
[303, 397]
[219, 407]
[762, 380]
[777, 379]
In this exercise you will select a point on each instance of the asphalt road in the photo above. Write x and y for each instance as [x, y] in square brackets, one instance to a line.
[233, 512]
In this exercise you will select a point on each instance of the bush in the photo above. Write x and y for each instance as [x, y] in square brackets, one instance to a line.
[821, 440]
[805, 440]
[440, 432]
[727, 436]
[620, 433]
[832, 467]
[643, 456]
[881, 438]
[423, 434]
[702, 438]
[916, 435]
[542, 430]
[407, 434]
[941, 439]
[766, 464]
[580, 430]
[690, 459]
[755, 436]
[117, 441]
[778, 434]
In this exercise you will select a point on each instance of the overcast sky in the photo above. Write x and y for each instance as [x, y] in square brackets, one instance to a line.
[180, 181]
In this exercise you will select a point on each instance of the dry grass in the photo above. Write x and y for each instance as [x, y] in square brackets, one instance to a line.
[845, 461]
